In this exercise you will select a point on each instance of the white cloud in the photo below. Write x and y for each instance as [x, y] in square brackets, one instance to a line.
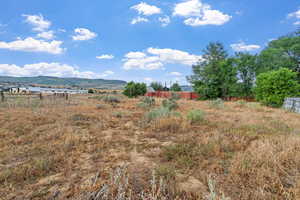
[49, 69]
[108, 72]
[105, 56]
[139, 20]
[165, 21]
[32, 45]
[146, 9]
[157, 58]
[294, 14]
[38, 22]
[48, 35]
[174, 56]
[244, 47]
[199, 14]
[175, 74]
[135, 55]
[83, 34]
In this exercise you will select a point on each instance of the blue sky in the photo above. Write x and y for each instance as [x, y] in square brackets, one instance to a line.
[150, 40]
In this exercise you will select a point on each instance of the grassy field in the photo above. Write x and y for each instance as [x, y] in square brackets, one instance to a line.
[92, 147]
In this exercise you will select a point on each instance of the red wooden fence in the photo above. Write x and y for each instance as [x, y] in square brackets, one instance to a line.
[192, 95]
[163, 94]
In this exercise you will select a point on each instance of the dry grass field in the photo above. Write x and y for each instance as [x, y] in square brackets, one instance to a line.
[88, 148]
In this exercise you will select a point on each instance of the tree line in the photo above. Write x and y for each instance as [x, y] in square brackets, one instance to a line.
[269, 76]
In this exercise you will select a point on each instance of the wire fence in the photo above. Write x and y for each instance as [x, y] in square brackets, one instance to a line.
[33, 100]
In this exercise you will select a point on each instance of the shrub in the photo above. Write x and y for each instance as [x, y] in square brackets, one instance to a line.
[217, 103]
[184, 155]
[118, 114]
[111, 99]
[170, 124]
[273, 87]
[241, 103]
[91, 91]
[100, 106]
[133, 89]
[170, 104]
[147, 102]
[195, 116]
[158, 113]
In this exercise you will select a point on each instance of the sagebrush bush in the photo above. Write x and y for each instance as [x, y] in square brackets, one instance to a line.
[241, 103]
[147, 102]
[161, 112]
[217, 103]
[195, 116]
[111, 99]
[170, 104]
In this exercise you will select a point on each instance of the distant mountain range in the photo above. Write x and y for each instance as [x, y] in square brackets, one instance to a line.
[62, 82]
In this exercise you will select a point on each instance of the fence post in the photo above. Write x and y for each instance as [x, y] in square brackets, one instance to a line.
[2, 96]
[41, 96]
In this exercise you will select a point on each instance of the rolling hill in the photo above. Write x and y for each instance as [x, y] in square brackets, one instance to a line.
[67, 82]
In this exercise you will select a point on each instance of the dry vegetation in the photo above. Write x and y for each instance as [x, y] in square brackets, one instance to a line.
[100, 148]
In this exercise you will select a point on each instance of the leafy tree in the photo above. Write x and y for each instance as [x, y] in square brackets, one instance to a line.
[274, 86]
[91, 91]
[133, 89]
[246, 65]
[214, 77]
[283, 52]
[175, 87]
[157, 86]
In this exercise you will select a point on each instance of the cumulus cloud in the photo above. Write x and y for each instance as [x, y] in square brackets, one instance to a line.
[48, 35]
[199, 14]
[137, 54]
[83, 34]
[175, 74]
[33, 45]
[38, 22]
[157, 58]
[105, 56]
[295, 15]
[244, 47]
[139, 20]
[49, 69]
[165, 21]
[146, 9]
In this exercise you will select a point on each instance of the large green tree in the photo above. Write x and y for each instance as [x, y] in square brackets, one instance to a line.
[157, 86]
[175, 87]
[246, 66]
[133, 89]
[282, 52]
[215, 76]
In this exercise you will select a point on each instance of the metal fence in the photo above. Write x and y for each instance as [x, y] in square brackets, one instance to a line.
[292, 104]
